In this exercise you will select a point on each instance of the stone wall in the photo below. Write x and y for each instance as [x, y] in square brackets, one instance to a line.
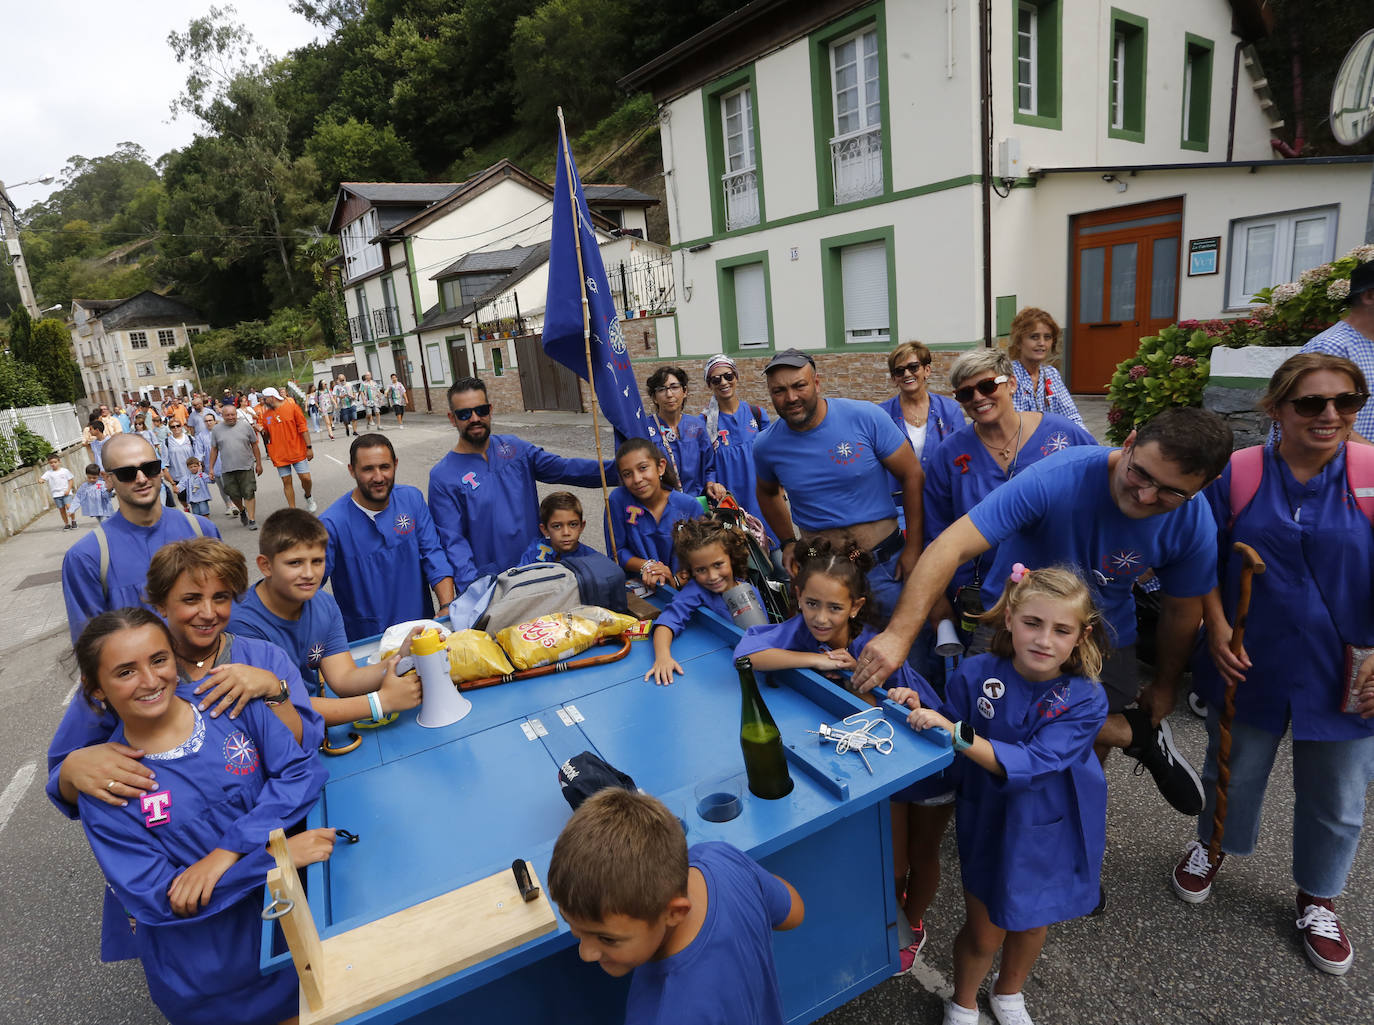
[1239, 407]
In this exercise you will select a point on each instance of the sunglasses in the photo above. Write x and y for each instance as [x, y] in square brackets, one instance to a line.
[1309, 406]
[714, 381]
[129, 474]
[986, 386]
[1140, 479]
[911, 368]
[466, 414]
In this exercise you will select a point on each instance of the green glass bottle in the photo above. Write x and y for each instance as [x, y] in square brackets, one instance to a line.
[765, 763]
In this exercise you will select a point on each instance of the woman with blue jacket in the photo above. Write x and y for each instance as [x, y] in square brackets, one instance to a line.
[924, 418]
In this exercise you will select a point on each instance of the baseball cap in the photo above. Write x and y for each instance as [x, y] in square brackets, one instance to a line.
[1361, 279]
[584, 774]
[271, 393]
[794, 358]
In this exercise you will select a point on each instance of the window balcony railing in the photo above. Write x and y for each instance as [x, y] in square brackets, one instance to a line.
[857, 163]
[357, 330]
[386, 322]
[741, 198]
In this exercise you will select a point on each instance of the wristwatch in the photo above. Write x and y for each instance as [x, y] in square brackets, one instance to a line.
[961, 738]
[282, 695]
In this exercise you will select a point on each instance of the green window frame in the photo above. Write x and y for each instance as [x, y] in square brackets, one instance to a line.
[832, 288]
[1045, 60]
[729, 314]
[1127, 52]
[823, 102]
[714, 119]
[1197, 92]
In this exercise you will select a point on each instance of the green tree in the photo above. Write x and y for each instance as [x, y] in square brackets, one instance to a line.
[21, 332]
[50, 355]
[568, 54]
[354, 150]
[19, 384]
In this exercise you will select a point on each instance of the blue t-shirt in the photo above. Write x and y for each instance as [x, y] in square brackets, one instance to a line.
[833, 473]
[309, 640]
[725, 976]
[638, 535]
[962, 473]
[1061, 511]
[692, 597]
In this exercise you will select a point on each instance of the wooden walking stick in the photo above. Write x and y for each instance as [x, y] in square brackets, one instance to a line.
[1252, 564]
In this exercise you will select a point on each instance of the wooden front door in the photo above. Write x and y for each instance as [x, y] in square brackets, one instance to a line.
[545, 384]
[398, 357]
[458, 357]
[1124, 270]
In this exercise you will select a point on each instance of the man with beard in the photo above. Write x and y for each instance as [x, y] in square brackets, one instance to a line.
[829, 455]
[234, 452]
[383, 554]
[482, 492]
[107, 568]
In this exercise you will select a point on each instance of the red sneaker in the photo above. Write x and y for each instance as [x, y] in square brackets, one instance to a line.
[908, 953]
[1325, 941]
[1193, 874]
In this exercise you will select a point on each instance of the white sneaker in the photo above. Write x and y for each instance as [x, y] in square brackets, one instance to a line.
[311, 505]
[956, 1014]
[1010, 1009]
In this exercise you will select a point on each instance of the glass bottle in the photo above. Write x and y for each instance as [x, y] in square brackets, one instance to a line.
[765, 763]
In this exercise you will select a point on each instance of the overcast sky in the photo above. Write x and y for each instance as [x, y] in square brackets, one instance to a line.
[82, 76]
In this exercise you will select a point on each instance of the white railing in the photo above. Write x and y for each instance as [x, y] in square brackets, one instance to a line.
[741, 198]
[857, 163]
[59, 423]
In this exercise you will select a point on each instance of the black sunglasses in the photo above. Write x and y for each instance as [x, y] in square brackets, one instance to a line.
[466, 414]
[910, 368]
[129, 474]
[727, 376]
[986, 386]
[1309, 406]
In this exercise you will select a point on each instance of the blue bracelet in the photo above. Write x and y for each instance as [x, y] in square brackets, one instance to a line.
[375, 703]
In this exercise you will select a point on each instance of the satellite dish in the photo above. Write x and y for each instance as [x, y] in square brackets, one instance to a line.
[1352, 97]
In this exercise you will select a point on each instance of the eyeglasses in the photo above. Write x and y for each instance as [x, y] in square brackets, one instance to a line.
[986, 386]
[129, 474]
[912, 368]
[1140, 479]
[1309, 406]
[728, 376]
[668, 388]
[466, 414]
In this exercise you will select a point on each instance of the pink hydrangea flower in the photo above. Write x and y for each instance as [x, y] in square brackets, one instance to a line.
[1138, 371]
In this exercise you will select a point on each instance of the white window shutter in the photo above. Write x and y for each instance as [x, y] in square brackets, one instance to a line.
[863, 271]
[751, 309]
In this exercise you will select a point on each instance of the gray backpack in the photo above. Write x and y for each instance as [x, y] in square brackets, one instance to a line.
[528, 592]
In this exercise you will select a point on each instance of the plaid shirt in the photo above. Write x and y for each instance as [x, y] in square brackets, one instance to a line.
[1340, 339]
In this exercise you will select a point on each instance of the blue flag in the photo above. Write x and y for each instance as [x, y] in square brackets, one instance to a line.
[617, 391]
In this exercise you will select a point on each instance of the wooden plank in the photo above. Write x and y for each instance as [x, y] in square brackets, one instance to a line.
[368, 966]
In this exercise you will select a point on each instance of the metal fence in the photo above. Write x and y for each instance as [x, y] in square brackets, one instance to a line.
[59, 423]
[288, 365]
[643, 285]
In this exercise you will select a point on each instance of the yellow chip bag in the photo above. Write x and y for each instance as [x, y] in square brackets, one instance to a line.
[608, 623]
[473, 655]
[547, 639]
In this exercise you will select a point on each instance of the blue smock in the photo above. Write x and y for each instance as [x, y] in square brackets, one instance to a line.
[486, 507]
[244, 778]
[82, 726]
[962, 472]
[1314, 598]
[382, 568]
[309, 639]
[689, 452]
[638, 535]
[95, 498]
[195, 486]
[692, 597]
[174, 457]
[734, 449]
[833, 473]
[1030, 845]
[1061, 511]
[131, 550]
[945, 417]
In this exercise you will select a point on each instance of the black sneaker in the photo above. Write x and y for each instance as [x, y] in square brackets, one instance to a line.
[1153, 747]
[243, 517]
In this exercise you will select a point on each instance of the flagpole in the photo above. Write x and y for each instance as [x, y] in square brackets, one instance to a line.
[586, 325]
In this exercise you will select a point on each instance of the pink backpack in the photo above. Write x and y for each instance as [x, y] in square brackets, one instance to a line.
[1247, 469]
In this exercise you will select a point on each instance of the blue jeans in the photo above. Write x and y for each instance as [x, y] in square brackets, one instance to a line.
[1329, 781]
[201, 508]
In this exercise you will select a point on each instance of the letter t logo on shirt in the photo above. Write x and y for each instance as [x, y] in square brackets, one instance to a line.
[154, 807]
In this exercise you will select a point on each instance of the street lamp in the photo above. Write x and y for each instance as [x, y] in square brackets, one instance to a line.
[51, 309]
[12, 250]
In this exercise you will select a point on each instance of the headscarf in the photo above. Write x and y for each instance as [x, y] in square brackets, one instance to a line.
[712, 411]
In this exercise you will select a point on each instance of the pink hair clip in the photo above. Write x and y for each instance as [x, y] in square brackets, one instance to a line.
[1018, 573]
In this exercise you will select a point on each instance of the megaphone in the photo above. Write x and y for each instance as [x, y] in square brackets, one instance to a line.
[443, 703]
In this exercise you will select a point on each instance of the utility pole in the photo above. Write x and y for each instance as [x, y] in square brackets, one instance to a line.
[14, 254]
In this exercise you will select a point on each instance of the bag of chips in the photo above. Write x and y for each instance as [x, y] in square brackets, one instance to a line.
[608, 623]
[547, 639]
[473, 655]
[394, 635]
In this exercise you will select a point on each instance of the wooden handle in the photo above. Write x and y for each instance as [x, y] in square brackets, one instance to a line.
[297, 924]
[555, 667]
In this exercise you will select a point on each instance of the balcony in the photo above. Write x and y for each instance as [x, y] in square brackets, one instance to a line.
[358, 330]
[90, 360]
[741, 198]
[386, 322]
[857, 164]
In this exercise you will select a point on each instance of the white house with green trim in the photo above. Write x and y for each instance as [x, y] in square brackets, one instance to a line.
[846, 175]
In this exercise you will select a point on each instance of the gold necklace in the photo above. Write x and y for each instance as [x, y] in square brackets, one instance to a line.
[1004, 453]
[219, 642]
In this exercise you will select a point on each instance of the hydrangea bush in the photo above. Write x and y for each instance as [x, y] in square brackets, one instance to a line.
[1172, 367]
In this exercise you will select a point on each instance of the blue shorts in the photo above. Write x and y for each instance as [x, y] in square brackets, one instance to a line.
[62, 501]
[303, 467]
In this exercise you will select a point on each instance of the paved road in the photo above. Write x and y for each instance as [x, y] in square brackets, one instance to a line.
[1149, 958]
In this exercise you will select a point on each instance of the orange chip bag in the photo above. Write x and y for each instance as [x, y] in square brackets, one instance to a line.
[473, 655]
[547, 639]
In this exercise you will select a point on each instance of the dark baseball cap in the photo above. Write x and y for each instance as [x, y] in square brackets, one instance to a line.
[794, 358]
[1361, 278]
[584, 774]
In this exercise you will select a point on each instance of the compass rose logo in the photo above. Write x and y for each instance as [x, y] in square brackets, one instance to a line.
[240, 754]
[316, 655]
[404, 524]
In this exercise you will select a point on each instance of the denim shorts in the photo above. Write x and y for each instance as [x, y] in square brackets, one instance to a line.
[303, 467]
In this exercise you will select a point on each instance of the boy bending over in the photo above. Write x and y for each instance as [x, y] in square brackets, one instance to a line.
[693, 925]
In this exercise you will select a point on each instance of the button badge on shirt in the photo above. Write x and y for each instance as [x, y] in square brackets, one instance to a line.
[985, 708]
[994, 688]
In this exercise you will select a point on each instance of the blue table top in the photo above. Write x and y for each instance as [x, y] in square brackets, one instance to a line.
[439, 808]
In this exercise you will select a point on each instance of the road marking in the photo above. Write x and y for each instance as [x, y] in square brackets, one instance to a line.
[339, 461]
[70, 694]
[9, 800]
